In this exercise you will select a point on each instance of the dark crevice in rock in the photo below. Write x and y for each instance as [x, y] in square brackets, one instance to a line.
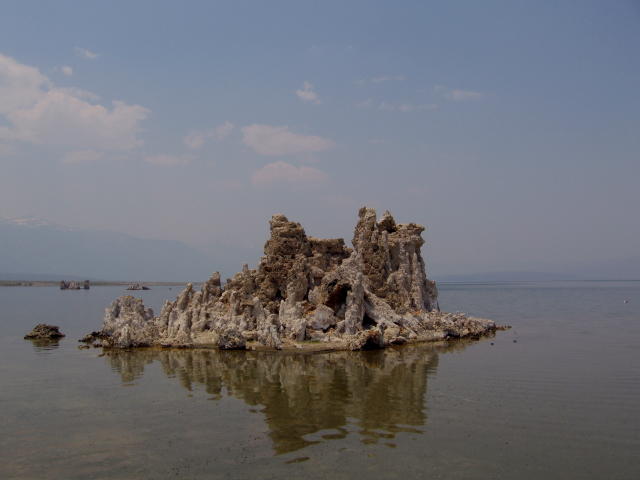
[338, 297]
[368, 323]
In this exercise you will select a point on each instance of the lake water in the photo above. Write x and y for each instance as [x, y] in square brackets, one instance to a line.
[557, 396]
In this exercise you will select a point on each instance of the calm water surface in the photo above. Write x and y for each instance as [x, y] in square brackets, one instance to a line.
[558, 396]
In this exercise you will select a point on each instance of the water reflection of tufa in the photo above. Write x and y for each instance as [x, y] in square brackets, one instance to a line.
[44, 345]
[377, 393]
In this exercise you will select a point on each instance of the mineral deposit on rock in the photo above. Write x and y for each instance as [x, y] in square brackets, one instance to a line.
[44, 331]
[306, 292]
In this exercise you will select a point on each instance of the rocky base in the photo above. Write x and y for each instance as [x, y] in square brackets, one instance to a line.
[305, 291]
[42, 331]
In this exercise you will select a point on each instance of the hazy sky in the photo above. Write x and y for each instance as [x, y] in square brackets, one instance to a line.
[511, 129]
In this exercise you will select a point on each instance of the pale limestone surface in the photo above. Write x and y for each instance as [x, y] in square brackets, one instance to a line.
[305, 290]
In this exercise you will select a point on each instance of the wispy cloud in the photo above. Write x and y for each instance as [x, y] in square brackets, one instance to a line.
[164, 160]
[33, 110]
[197, 138]
[282, 172]
[397, 107]
[308, 94]
[461, 95]
[388, 78]
[458, 95]
[380, 79]
[85, 53]
[279, 140]
[368, 103]
[82, 156]
[407, 107]
[80, 93]
[66, 70]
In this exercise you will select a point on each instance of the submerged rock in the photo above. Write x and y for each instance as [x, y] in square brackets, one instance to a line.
[43, 331]
[305, 289]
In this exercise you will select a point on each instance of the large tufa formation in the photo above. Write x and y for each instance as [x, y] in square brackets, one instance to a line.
[305, 289]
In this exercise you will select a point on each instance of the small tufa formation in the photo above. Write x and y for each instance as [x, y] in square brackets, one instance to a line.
[127, 323]
[305, 289]
[71, 285]
[137, 286]
[42, 331]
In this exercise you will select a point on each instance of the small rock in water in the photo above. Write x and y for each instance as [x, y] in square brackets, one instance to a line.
[90, 338]
[44, 331]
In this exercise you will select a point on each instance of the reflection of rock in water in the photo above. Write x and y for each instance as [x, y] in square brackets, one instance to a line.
[381, 392]
[43, 345]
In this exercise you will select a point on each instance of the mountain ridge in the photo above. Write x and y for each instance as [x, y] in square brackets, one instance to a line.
[35, 247]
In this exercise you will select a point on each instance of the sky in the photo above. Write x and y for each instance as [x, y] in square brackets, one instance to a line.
[510, 129]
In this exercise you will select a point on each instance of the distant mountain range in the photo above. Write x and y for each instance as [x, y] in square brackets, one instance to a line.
[523, 276]
[620, 269]
[33, 249]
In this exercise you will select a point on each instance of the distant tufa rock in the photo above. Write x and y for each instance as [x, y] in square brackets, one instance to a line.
[305, 289]
[137, 286]
[42, 331]
[72, 285]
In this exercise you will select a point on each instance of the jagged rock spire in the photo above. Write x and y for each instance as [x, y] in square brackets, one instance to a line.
[306, 288]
